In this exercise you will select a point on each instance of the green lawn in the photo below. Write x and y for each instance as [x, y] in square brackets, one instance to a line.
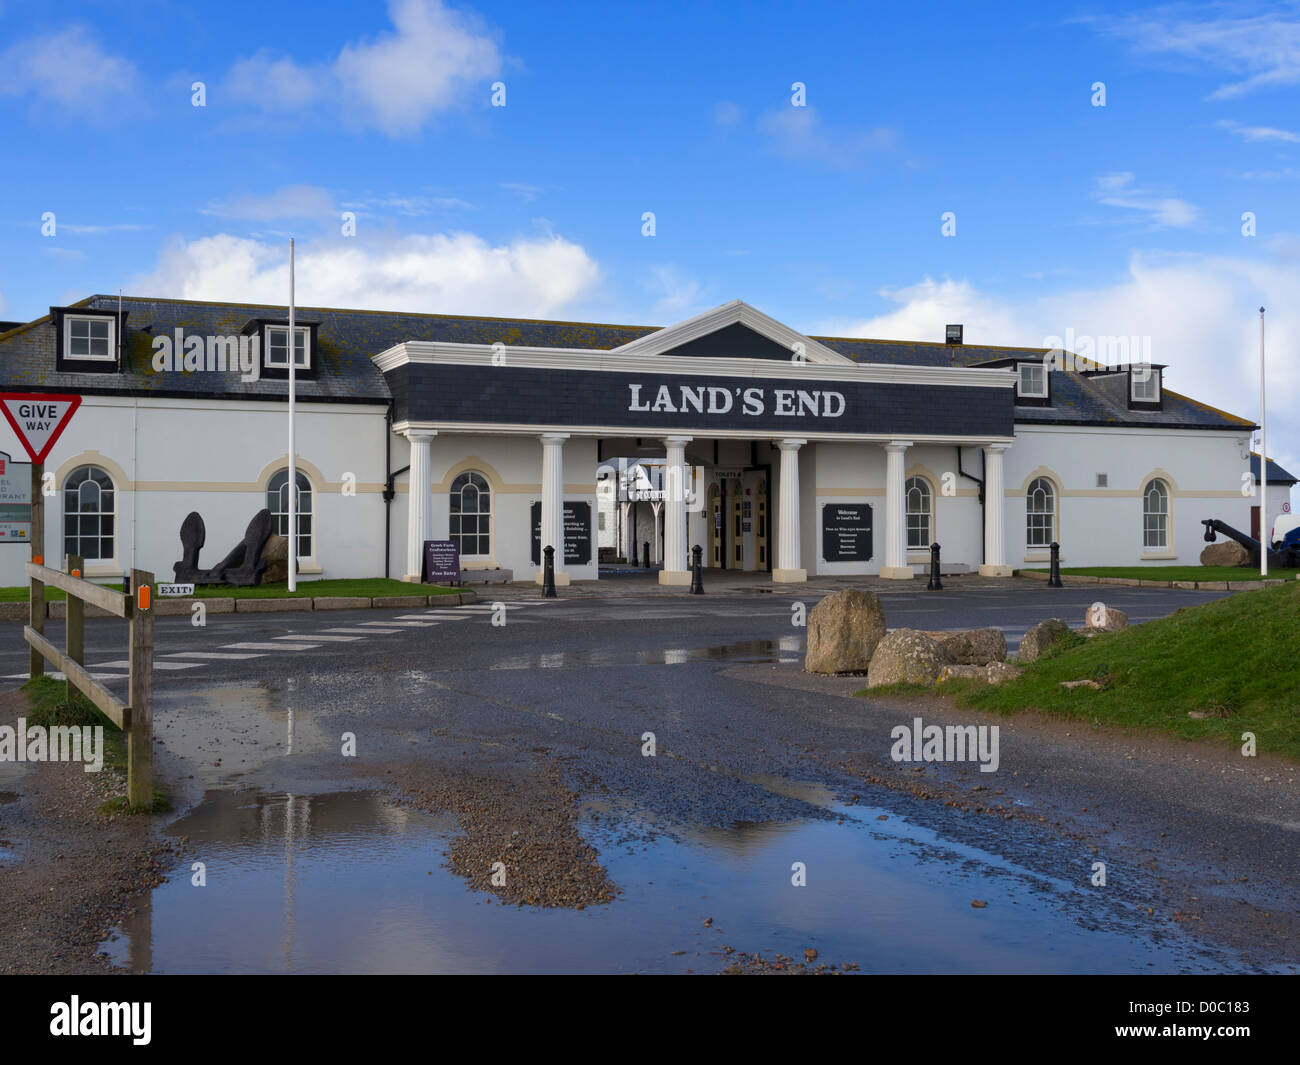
[370, 587]
[310, 589]
[1175, 573]
[1236, 660]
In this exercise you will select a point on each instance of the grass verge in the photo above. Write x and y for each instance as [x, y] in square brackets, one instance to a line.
[51, 707]
[1236, 661]
[1173, 573]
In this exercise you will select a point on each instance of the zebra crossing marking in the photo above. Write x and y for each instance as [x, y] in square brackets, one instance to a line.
[272, 646]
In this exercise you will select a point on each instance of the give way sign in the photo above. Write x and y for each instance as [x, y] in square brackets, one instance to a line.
[38, 419]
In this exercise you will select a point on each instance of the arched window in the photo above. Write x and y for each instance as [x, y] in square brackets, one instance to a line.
[471, 515]
[88, 513]
[1155, 515]
[277, 501]
[1040, 513]
[917, 494]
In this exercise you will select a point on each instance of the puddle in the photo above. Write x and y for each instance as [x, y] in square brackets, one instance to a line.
[348, 882]
[785, 649]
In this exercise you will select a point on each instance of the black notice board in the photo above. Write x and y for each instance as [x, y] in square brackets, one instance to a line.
[577, 533]
[846, 532]
[441, 562]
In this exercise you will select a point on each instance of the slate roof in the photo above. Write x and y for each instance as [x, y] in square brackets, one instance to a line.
[1276, 475]
[347, 339]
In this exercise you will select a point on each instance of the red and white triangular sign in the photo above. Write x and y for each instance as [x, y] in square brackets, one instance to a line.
[39, 420]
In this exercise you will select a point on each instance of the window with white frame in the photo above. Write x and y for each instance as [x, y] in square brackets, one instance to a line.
[1040, 513]
[89, 513]
[277, 502]
[277, 347]
[917, 496]
[1155, 516]
[1033, 380]
[88, 338]
[1144, 384]
[471, 515]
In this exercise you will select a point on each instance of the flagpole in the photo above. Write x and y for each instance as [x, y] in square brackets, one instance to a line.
[293, 462]
[1265, 532]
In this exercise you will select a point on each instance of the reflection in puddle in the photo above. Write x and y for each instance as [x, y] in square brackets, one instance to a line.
[785, 649]
[348, 882]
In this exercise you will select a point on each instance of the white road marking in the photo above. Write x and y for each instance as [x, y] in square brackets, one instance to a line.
[215, 655]
[270, 646]
[318, 636]
[59, 676]
[125, 664]
[402, 624]
[441, 615]
[369, 632]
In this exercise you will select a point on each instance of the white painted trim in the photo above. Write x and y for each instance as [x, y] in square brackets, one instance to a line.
[69, 318]
[600, 361]
[700, 432]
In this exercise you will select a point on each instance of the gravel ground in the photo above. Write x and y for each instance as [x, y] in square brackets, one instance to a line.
[528, 823]
[68, 873]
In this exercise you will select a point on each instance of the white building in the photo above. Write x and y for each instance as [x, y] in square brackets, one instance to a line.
[806, 455]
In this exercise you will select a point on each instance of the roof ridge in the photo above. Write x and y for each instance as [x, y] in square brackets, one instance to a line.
[363, 310]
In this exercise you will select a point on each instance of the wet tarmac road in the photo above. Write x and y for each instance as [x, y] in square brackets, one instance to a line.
[757, 769]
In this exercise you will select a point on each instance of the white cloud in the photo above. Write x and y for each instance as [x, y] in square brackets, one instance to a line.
[396, 82]
[292, 201]
[1119, 190]
[676, 296]
[70, 71]
[1201, 313]
[457, 273]
[1258, 133]
[798, 134]
[926, 307]
[1260, 50]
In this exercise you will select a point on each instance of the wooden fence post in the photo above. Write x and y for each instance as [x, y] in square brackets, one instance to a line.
[75, 625]
[139, 771]
[36, 591]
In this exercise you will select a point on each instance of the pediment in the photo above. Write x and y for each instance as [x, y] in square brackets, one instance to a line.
[734, 330]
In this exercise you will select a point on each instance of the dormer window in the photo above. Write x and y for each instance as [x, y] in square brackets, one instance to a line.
[1032, 383]
[1144, 384]
[86, 337]
[277, 347]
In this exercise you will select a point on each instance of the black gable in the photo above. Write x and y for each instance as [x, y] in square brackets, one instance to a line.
[735, 341]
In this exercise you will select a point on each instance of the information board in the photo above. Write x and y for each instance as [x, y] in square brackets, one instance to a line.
[846, 532]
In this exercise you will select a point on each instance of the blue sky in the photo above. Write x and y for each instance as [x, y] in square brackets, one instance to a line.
[1116, 220]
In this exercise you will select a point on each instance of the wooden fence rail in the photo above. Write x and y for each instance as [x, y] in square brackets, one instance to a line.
[134, 717]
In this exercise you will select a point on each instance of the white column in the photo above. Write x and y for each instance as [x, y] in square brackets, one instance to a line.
[552, 532]
[895, 567]
[626, 526]
[676, 567]
[788, 553]
[995, 557]
[419, 502]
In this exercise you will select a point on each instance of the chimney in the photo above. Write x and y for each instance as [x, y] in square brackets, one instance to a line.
[952, 335]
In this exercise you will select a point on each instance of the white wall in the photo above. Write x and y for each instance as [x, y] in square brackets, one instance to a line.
[168, 457]
[513, 467]
[1103, 526]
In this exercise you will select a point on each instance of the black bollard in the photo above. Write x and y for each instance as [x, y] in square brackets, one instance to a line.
[935, 584]
[697, 575]
[645, 554]
[548, 574]
[1054, 577]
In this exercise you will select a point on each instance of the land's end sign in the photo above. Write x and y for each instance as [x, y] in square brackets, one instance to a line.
[39, 420]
